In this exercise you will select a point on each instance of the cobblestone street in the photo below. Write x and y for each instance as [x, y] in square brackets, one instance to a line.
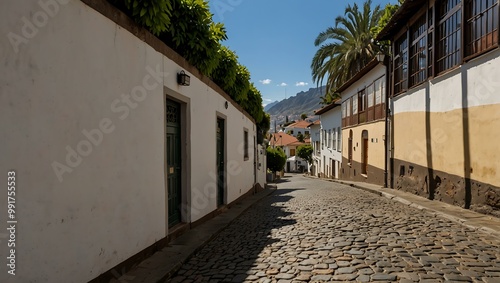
[312, 230]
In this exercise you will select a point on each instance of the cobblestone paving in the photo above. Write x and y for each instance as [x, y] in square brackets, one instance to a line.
[316, 231]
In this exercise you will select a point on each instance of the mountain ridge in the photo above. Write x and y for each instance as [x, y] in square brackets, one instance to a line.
[302, 102]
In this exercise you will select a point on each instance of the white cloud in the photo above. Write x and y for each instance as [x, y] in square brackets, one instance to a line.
[282, 84]
[267, 100]
[265, 82]
[301, 84]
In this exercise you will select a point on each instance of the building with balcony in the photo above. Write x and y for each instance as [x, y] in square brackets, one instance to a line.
[363, 125]
[445, 101]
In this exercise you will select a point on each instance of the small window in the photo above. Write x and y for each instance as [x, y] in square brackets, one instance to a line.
[339, 138]
[329, 138]
[355, 106]
[362, 100]
[349, 153]
[292, 152]
[370, 95]
[378, 91]
[245, 140]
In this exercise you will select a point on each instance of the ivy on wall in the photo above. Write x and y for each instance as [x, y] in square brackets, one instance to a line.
[187, 27]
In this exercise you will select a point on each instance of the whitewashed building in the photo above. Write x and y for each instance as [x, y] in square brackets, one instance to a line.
[330, 140]
[111, 155]
[298, 127]
[315, 129]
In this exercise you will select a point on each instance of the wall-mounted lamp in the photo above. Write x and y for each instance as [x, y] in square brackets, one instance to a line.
[226, 105]
[183, 79]
[380, 57]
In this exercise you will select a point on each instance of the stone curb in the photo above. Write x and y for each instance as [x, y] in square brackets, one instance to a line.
[270, 189]
[427, 209]
[162, 265]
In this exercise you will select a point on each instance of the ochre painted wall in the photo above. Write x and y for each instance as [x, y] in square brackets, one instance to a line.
[376, 151]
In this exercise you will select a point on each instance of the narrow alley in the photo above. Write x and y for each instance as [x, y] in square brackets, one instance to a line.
[312, 230]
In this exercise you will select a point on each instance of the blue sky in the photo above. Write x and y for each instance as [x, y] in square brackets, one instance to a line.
[274, 39]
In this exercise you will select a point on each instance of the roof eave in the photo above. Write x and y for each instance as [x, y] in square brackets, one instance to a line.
[371, 65]
[399, 19]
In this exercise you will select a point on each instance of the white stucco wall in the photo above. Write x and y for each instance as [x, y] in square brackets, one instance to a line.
[445, 92]
[79, 72]
[451, 122]
[296, 131]
[262, 165]
[331, 120]
[374, 74]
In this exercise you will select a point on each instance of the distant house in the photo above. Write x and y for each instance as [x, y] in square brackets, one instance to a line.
[299, 127]
[363, 125]
[315, 141]
[445, 101]
[330, 139]
[289, 144]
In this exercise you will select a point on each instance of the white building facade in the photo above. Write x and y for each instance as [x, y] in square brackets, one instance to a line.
[330, 140]
[109, 152]
[315, 130]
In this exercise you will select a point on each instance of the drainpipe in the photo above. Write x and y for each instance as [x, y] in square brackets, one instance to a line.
[387, 63]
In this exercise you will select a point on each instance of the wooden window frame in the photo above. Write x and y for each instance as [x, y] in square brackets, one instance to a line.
[399, 61]
[470, 37]
[246, 155]
[418, 51]
[446, 60]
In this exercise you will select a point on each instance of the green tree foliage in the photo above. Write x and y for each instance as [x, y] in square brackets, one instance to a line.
[276, 159]
[388, 11]
[300, 137]
[303, 116]
[328, 98]
[305, 152]
[265, 124]
[347, 47]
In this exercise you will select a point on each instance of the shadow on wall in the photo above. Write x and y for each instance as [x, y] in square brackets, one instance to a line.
[239, 245]
[438, 185]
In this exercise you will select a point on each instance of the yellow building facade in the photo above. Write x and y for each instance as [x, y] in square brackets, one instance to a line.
[445, 102]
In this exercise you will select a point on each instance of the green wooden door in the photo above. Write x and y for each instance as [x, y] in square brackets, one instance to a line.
[220, 162]
[174, 162]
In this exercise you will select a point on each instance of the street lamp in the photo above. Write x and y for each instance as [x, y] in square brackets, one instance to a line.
[380, 57]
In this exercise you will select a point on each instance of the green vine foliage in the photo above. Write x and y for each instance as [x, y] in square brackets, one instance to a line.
[188, 28]
[241, 86]
[155, 15]
[253, 104]
[194, 35]
[225, 73]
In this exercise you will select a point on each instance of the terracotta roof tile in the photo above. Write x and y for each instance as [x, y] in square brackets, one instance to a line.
[300, 124]
[281, 139]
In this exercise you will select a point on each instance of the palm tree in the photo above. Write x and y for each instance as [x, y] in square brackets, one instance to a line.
[349, 48]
